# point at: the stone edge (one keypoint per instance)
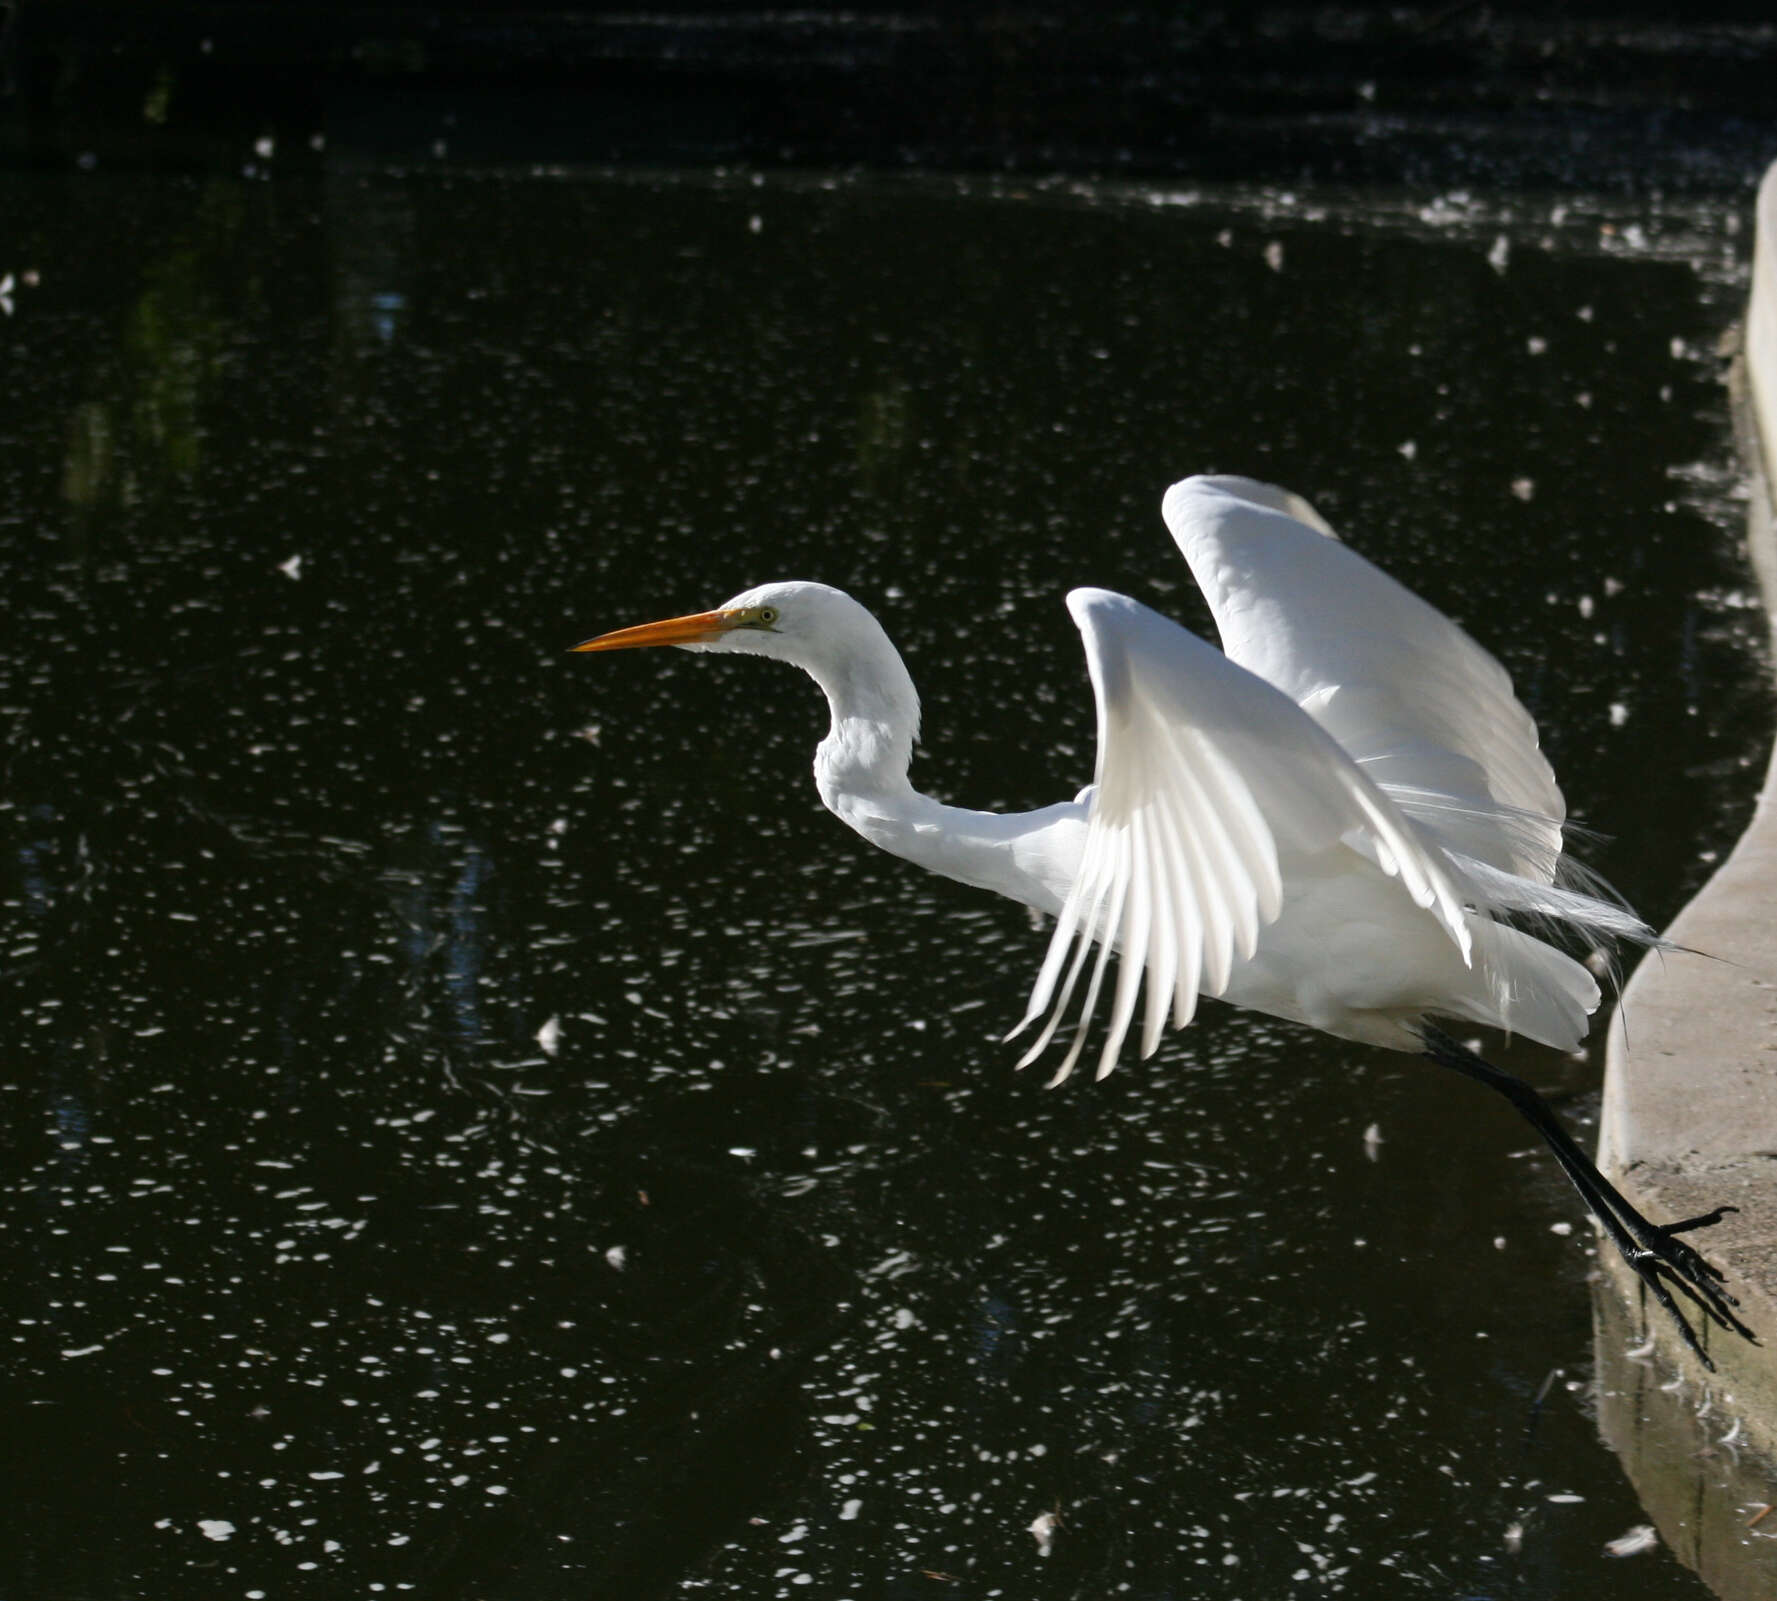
(1689, 1119)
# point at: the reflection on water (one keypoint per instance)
(370, 235)
(760, 1273)
(1706, 1490)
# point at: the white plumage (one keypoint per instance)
(1350, 730)
(1338, 818)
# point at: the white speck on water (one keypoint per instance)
(850, 1510)
(215, 1528)
(1274, 256)
(1619, 714)
(549, 1036)
(1499, 257)
(617, 1256)
(1632, 1542)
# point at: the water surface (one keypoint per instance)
(474, 1124)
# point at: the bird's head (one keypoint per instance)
(817, 628)
(802, 623)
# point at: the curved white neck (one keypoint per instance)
(861, 767)
(875, 709)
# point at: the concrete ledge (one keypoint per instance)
(1690, 1123)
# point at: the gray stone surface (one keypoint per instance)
(1690, 1100)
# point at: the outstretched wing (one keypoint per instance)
(1426, 712)
(1206, 775)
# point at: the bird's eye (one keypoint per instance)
(766, 616)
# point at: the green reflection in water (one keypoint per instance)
(149, 424)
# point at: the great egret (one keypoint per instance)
(1340, 821)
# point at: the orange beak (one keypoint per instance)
(696, 629)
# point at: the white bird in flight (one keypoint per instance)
(1341, 818)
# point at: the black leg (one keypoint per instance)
(1653, 1250)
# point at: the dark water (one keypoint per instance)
(474, 1126)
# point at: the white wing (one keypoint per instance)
(1426, 712)
(1205, 774)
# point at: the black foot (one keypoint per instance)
(1659, 1258)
